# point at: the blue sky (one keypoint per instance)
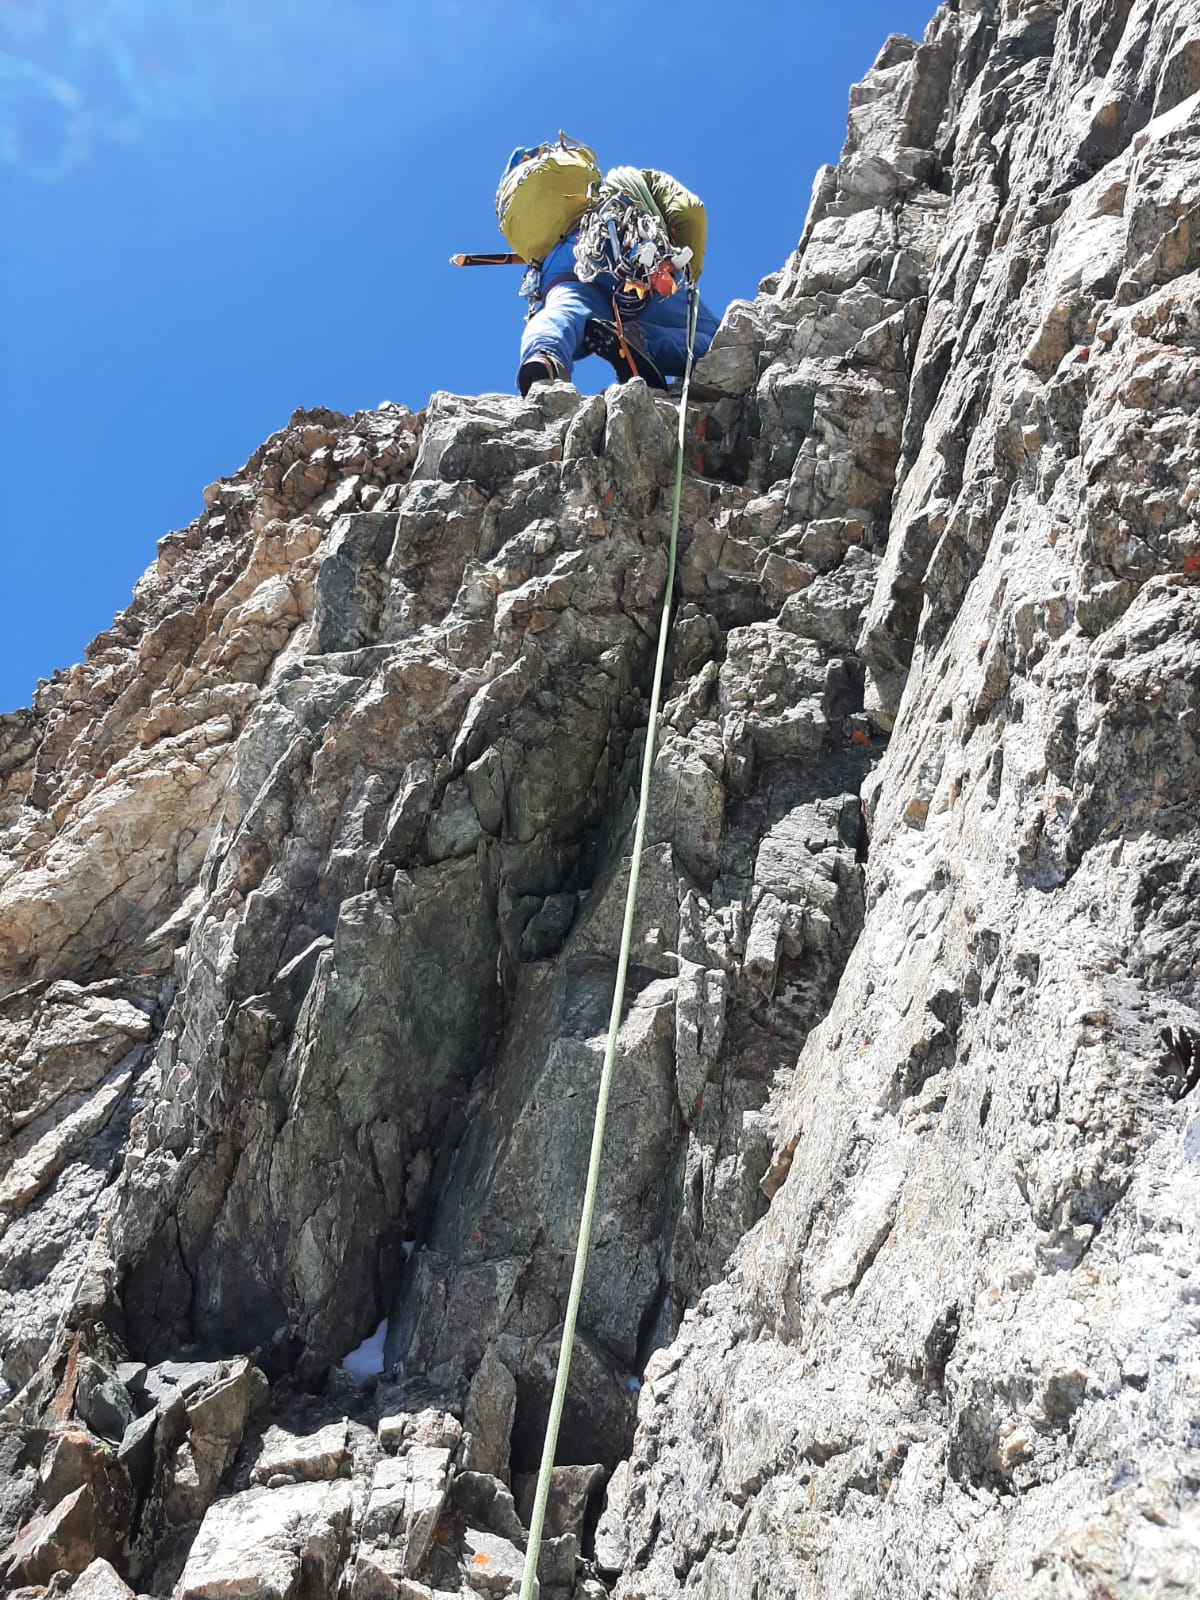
(213, 211)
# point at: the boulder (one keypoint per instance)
(269, 1544)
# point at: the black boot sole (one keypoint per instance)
(536, 370)
(603, 339)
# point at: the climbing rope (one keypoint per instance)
(554, 1421)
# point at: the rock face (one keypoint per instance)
(311, 881)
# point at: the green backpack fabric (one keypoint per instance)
(542, 197)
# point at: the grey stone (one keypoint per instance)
(101, 1401)
(492, 1565)
(100, 1581)
(348, 590)
(405, 1499)
(437, 1429)
(302, 1457)
(183, 1379)
(731, 363)
(62, 1539)
(136, 1450)
(217, 1416)
(264, 1541)
(573, 1491)
(485, 1502)
(545, 931)
(556, 1561)
(312, 882)
(488, 1418)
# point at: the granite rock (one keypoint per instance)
(311, 887)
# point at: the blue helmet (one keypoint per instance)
(523, 152)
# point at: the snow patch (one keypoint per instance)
(367, 1360)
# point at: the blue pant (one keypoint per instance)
(557, 326)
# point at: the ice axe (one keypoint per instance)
(500, 258)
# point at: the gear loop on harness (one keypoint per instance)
(558, 1399)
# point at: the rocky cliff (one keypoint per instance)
(310, 890)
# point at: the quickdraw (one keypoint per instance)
(621, 239)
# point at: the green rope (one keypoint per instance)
(554, 1421)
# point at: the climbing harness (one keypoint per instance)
(558, 1399)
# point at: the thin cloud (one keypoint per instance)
(75, 78)
(41, 125)
(78, 76)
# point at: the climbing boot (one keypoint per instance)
(604, 339)
(541, 367)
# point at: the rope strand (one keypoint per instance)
(550, 1446)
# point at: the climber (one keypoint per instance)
(609, 263)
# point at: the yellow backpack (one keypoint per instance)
(543, 193)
